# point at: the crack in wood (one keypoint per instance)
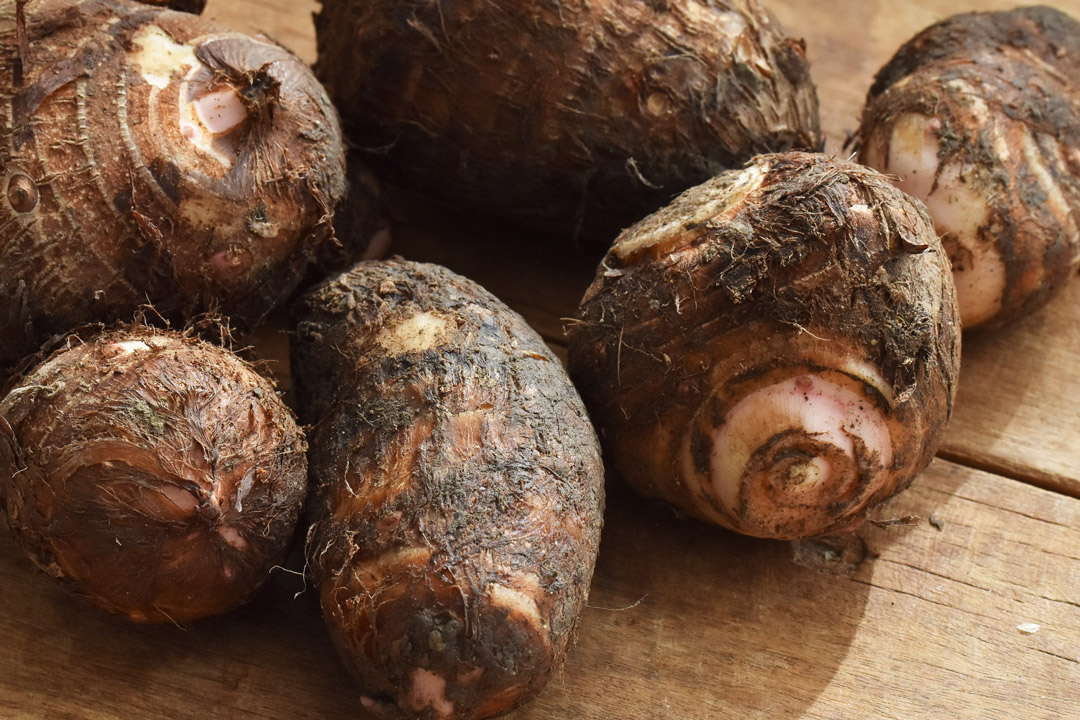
(1013, 511)
(937, 574)
(1074, 661)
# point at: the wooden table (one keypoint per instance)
(685, 621)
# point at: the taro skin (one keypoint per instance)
(776, 351)
(978, 116)
(571, 117)
(149, 156)
(158, 476)
(459, 491)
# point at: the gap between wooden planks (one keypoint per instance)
(685, 621)
(1018, 408)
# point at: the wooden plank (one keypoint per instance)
(847, 41)
(1015, 411)
(684, 621)
(287, 21)
(730, 627)
(64, 659)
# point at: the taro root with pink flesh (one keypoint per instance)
(776, 351)
(569, 114)
(460, 491)
(156, 475)
(149, 156)
(978, 116)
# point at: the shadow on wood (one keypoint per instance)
(1016, 413)
(540, 276)
(693, 621)
(67, 659)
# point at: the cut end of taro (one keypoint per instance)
(792, 456)
(218, 111)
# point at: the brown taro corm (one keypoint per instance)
(460, 491)
(149, 156)
(156, 475)
(776, 351)
(564, 114)
(979, 117)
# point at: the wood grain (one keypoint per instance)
(732, 628)
(1018, 408)
(685, 621)
(287, 21)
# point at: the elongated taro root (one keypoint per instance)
(565, 113)
(776, 351)
(150, 156)
(979, 117)
(156, 475)
(460, 491)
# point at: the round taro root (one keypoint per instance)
(460, 491)
(157, 475)
(979, 117)
(776, 351)
(148, 156)
(569, 113)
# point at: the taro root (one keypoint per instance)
(564, 114)
(148, 156)
(979, 117)
(156, 475)
(460, 491)
(776, 351)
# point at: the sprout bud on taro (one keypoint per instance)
(149, 156)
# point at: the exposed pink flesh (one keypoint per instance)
(832, 413)
(958, 212)
(429, 691)
(220, 111)
(180, 498)
(191, 131)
